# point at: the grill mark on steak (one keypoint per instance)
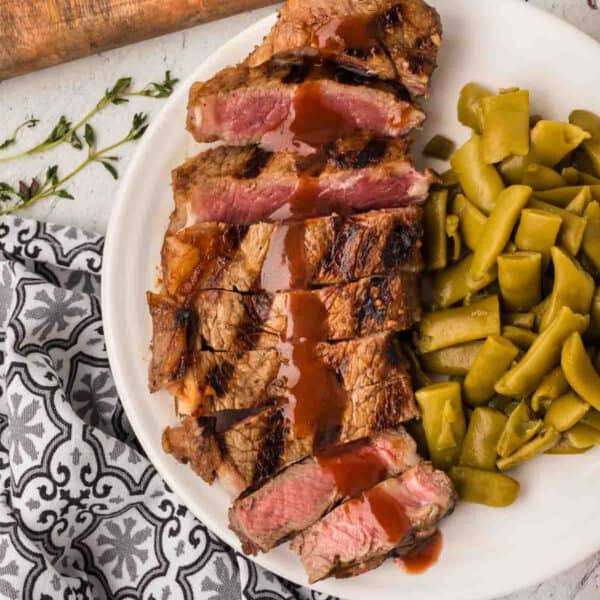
(218, 377)
(271, 450)
(256, 163)
(238, 322)
(399, 242)
(240, 446)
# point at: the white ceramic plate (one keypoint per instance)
(487, 552)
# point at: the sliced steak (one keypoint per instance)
(336, 250)
(281, 109)
(245, 185)
(299, 496)
(257, 447)
(171, 326)
(390, 39)
(362, 532)
(237, 322)
(242, 381)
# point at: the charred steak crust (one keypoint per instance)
(337, 250)
(253, 447)
(405, 37)
(230, 321)
(224, 381)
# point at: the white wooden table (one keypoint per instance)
(72, 89)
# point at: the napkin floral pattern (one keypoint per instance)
(83, 514)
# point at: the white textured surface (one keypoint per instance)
(74, 88)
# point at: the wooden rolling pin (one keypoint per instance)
(39, 33)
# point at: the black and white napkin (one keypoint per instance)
(83, 514)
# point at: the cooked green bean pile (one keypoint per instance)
(512, 250)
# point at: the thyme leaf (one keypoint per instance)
(12, 139)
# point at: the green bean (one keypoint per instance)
(577, 177)
(484, 487)
(579, 371)
(561, 197)
(484, 431)
(505, 120)
(469, 106)
(589, 122)
(583, 436)
(419, 377)
(572, 287)
(502, 403)
(578, 205)
(543, 355)
(553, 385)
(443, 421)
(572, 229)
(540, 178)
(518, 430)
(540, 310)
(457, 325)
(524, 320)
(537, 232)
(492, 361)
(439, 147)
(520, 278)
(452, 224)
(551, 141)
(591, 236)
(480, 182)
(565, 411)
(434, 224)
(498, 228)
(592, 418)
(570, 176)
(564, 448)
(453, 361)
(449, 178)
(472, 221)
(538, 445)
(522, 338)
(453, 284)
(593, 332)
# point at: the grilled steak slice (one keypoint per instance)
(259, 446)
(245, 185)
(271, 106)
(362, 532)
(241, 381)
(336, 250)
(170, 332)
(384, 38)
(237, 322)
(299, 496)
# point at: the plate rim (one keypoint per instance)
(110, 260)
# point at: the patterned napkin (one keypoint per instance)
(83, 514)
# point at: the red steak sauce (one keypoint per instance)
(353, 32)
(316, 401)
(423, 556)
(315, 122)
(390, 514)
(355, 467)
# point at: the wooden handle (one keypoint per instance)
(39, 33)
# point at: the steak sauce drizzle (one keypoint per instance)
(315, 399)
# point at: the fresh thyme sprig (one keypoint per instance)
(12, 139)
(25, 195)
(66, 132)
